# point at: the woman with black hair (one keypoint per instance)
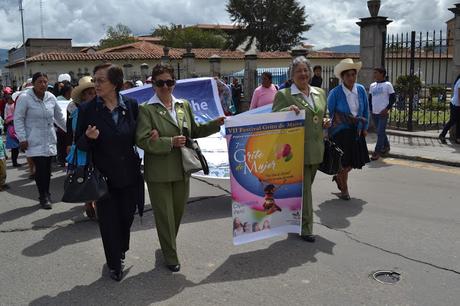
(106, 128)
(34, 119)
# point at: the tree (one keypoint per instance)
(117, 36)
(177, 36)
(276, 25)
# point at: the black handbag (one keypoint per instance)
(332, 158)
(84, 183)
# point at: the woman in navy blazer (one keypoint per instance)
(106, 127)
(349, 109)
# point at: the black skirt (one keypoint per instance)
(354, 148)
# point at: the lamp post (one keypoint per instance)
(23, 40)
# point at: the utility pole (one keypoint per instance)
(41, 19)
(23, 40)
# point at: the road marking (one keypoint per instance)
(422, 165)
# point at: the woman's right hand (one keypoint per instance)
(178, 141)
(295, 109)
(92, 132)
(23, 145)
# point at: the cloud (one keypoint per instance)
(334, 21)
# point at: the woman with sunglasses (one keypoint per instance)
(164, 124)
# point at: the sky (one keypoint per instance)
(334, 21)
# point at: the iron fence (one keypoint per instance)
(419, 67)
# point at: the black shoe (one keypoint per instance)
(443, 139)
(116, 275)
(174, 268)
(309, 238)
(17, 165)
(45, 203)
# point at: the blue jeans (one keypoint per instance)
(380, 122)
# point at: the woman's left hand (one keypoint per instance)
(220, 121)
(363, 133)
(327, 123)
(154, 135)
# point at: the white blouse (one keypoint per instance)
(352, 99)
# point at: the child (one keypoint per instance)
(3, 157)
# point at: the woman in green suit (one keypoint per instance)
(302, 96)
(163, 124)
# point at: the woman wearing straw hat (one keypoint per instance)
(81, 94)
(349, 109)
(313, 100)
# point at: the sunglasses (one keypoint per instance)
(161, 83)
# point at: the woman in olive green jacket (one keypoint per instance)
(161, 132)
(313, 100)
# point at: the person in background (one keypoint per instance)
(225, 97)
(317, 80)
(454, 114)
(65, 95)
(302, 96)
(381, 99)
(237, 91)
(165, 125)
(128, 85)
(3, 157)
(349, 109)
(12, 141)
(33, 119)
(265, 93)
(139, 83)
(81, 94)
(106, 129)
(286, 84)
(7, 91)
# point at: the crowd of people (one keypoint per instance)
(100, 123)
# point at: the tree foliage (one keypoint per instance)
(277, 25)
(117, 36)
(177, 36)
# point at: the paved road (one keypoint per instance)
(404, 216)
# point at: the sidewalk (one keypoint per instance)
(419, 146)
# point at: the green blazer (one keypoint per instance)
(314, 138)
(162, 162)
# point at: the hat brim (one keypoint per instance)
(76, 92)
(341, 67)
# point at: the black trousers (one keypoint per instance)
(14, 156)
(61, 147)
(454, 119)
(115, 213)
(42, 175)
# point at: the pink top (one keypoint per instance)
(9, 112)
(263, 96)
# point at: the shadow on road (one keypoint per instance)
(335, 213)
(142, 289)
(275, 260)
(26, 188)
(84, 230)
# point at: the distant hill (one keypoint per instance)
(343, 49)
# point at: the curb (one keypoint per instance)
(408, 134)
(421, 159)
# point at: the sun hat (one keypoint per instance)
(139, 83)
(64, 77)
(7, 91)
(346, 64)
(84, 83)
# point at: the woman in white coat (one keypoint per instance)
(34, 119)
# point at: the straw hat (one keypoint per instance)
(346, 64)
(84, 83)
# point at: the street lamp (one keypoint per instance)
(23, 40)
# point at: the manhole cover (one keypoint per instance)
(387, 277)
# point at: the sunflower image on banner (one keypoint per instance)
(266, 172)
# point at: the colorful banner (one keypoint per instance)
(200, 92)
(266, 172)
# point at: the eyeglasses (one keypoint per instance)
(161, 83)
